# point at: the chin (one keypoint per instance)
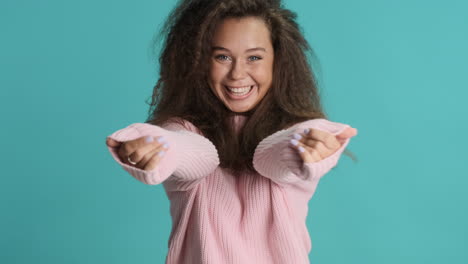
(242, 109)
(239, 111)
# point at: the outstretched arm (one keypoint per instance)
(189, 158)
(279, 160)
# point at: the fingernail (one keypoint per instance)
(294, 142)
(161, 153)
(306, 131)
(166, 145)
(149, 139)
(161, 139)
(297, 136)
(301, 149)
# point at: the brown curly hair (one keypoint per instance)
(182, 90)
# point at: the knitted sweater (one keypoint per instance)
(218, 218)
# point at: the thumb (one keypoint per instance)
(112, 143)
(347, 133)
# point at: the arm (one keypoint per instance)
(189, 158)
(276, 160)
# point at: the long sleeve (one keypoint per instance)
(189, 158)
(276, 160)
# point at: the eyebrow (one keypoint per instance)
(248, 50)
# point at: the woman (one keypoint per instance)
(236, 134)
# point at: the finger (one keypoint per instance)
(316, 146)
(140, 153)
(300, 139)
(307, 154)
(347, 133)
(144, 161)
(112, 143)
(315, 156)
(154, 161)
(328, 139)
(320, 147)
(341, 140)
(128, 148)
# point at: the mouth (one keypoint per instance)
(239, 92)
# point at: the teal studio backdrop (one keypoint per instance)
(73, 72)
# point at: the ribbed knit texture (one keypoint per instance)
(218, 218)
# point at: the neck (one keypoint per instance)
(238, 120)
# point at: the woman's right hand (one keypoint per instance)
(145, 151)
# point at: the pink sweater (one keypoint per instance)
(218, 218)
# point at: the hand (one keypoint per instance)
(146, 152)
(315, 145)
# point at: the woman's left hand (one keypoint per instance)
(315, 145)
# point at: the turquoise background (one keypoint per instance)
(73, 72)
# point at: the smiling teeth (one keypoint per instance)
(240, 91)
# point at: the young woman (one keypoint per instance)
(236, 134)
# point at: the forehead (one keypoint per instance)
(233, 33)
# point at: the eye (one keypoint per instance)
(221, 57)
(254, 58)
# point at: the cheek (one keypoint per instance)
(265, 66)
(215, 78)
(216, 74)
(264, 75)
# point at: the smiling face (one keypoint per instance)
(241, 63)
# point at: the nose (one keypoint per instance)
(237, 70)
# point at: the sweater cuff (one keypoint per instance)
(274, 158)
(190, 156)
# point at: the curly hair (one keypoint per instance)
(182, 90)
